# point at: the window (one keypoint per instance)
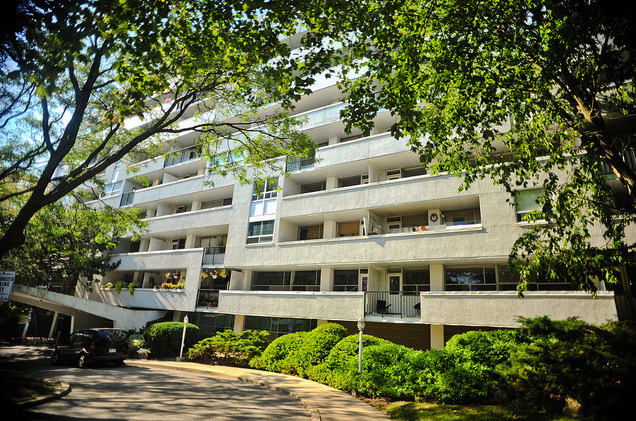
(260, 232)
(279, 326)
(349, 181)
(312, 187)
(465, 217)
(271, 281)
(345, 280)
(306, 280)
(471, 279)
(210, 324)
(395, 279)
(112, 189)
(310, 233)
(264, 197)
(348, 229)
(526, 201)
(416, 280)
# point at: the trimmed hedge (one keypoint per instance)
(229, 348)
(164, 339)
(275, 357)
(315, 348)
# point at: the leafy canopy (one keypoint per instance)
(526, 93)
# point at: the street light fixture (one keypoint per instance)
(360, 328)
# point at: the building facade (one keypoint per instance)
(360, 230)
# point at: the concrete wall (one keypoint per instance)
(501, 309)
(311, 305)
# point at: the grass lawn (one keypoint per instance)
(17, 387)
(412, 411)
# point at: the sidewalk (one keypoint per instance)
(323, 402)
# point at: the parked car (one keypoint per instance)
(89, 346)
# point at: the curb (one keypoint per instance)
(62, 391)
(314, 413)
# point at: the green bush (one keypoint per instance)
(315, 348)
(275, 355)
(488, 348)
(229, 348)
(164, 339)
(136, 341)
(340, 368)
(386, 371)
(593, 365)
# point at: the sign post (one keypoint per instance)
(6, 283)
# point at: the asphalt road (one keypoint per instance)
(131, 393)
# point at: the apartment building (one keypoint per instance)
(359, 231)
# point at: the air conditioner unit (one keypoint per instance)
(435, 217)
(364, 179)
(393, 174)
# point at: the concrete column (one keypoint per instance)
(437, 336)
(326, 279)
(163, 210)
(331, 183)
(167, 178)
(373, 174)
(239, 323)
(156, 244)
(330, 229)
(437, 277)
(196, 205)
(240, 281)
(151, 213)
(333, 140)
(52, 330)
(191, 241)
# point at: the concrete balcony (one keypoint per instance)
(311, 305)
(187, 186)
(501, 309)
(324, 116)
(160, 260)
(372, 147)
(192, 220)
(420, 189)
(156, 299)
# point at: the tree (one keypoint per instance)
(527, 93)
(65, 242)
(85, 84)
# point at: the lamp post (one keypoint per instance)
(360, 328)
(185, 324)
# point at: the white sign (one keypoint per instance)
(6, 282)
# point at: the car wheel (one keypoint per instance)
(81, 363)
(55, 358)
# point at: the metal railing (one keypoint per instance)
(394, 304)
(208, 298)
(183, 155)
(127, 199)
(299, 163)
(214, 255)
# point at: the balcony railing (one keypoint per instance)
(300, 163)
(127, 199)
(393, 304)
(182, 155)
(214, 255)
(208, 298)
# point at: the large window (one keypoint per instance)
(264, 197)
(210, 324)
(416, 280)
(301, 280)
(526, 201)
(279, 326)
(345, 280)
(310, 233)
(471, 279)
(112, 189)
(260, 232)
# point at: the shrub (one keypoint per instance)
(386, 371)
(136, 341)
(229, 348)
(595, 366)
(275, 355)
(486, 348)
(340, 368)
(315, 348)
(164, 339)
(445, 376)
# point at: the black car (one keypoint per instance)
(92, 346)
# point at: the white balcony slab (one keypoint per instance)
(311, 305)
(501, 309)
(159, 260)
(193, 220)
